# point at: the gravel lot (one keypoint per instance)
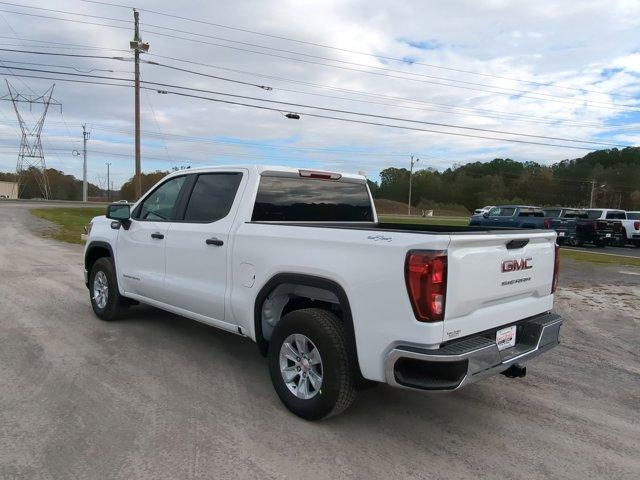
(161, 397)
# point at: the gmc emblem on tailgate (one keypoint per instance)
(516, 265)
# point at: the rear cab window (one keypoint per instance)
(633, 215)
(552, 213)
(530, 212)
(303, 199)
(594, 214)
(617, 215)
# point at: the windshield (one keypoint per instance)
(593, 214)
(552, 213)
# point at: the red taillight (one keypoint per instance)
(547, 223)
(426, 277)
(636, 225)
(595, 225)
(556, 269)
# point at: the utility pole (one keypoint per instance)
(108, 164)
(138, 46)
(85, 137)
(593, 190)
(413, 162)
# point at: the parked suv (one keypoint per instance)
(513, 216)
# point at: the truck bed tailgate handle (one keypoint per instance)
(513, 244)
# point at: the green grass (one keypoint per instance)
(600, 258)
(446, 221)
(70, 222)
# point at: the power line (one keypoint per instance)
(597, 104)
(291, 104)
(501, 114)
(402, 127)
(381, 72)
(383, 57)
(76, 55)
(509, 114)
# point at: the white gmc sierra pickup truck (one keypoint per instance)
(297, 261)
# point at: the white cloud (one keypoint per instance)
(565, 43)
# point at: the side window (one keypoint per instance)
(212, 196)
(158, 206)
(495, 212)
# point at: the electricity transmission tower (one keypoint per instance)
(31, 156)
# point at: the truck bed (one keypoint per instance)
(406, 227)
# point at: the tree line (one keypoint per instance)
(460, 188)
(502, 181)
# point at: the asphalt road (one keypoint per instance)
(156, 396)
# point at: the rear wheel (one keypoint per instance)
(106, 300)
(309, 364)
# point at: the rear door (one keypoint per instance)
(495, 279)
(198, 245)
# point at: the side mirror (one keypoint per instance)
(120, 212)
(485, 214)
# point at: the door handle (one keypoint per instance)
(214, 241)
(157, 236)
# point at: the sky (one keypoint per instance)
(554, 71)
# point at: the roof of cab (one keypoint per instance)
(260, 169)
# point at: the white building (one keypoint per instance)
(8, 190)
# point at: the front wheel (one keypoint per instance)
(106, 300)
(309, 364)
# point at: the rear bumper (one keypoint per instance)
(470, 359)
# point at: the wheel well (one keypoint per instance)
(285, 293)
(95, 252)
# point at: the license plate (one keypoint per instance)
(506, 337)
(561, 234)
(608, 235)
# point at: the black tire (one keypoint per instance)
(338, 389)
(574, 242)
(116, 305)
(599, 244)
(636, 243)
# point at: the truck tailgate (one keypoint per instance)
(495, 279)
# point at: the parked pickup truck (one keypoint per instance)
(613, 222)
(297, 261)
(512, 216)
(564, 221)
(635, 234)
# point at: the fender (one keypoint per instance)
(311, 281)
(87, 255)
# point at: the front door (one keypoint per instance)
(141, 248)
(198, 247)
